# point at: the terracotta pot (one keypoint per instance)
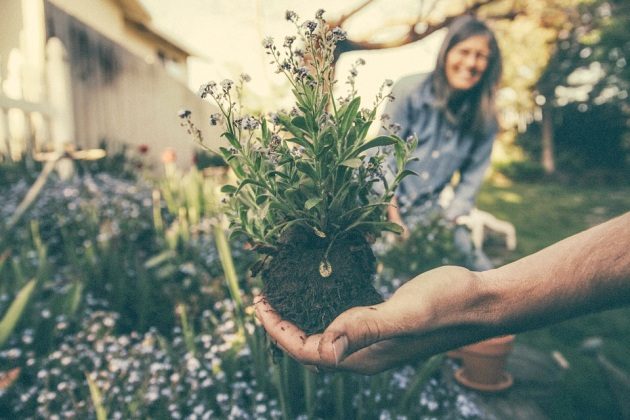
(483, 364)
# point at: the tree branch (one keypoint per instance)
(339, 22)
(411, 36)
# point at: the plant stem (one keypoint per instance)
(231, 279)
(339, 397)
(309, 392)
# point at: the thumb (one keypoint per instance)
(353, 330)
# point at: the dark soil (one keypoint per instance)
(295, 288)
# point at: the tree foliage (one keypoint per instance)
(585, 86)
(556, 53)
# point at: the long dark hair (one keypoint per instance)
(478, 113)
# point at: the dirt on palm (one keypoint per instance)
(295, 288)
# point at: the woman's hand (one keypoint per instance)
(414, 323)
(393, 215)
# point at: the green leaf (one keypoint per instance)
(388, 226)
(237, 168)
(264, 209)
(271, 174)
(228, 189)
(159, 259)
(261, 199)
(232, 139)
(226, 153)
(348, 113)
(257, 163)
(265, 131)
(363, 209)
(302, 142)
(362, 128)
(312, 202)
(377, 226)
(400, 152)
(249, 181)
(405, 173)
(352, 163)
(14, 313)
(282, 226)
(351, 137)
(279, 208)
(307, 169)
(74, 298)
(287, 123)
(300, 122)
(376, 142)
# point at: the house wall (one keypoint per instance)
(10, 29)
(106, 17)
(115, 95)
(119, 98)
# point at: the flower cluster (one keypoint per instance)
(314, 164)
(148, 375)
(141, 375)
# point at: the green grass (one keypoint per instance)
(544, 213)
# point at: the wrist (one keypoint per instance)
(469, 302)
(450, 297)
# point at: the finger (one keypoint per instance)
(352, 330)
(381, 356)
(287, 335)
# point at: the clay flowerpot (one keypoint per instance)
(483, 364)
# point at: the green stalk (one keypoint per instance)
(73, 300)
(231, 279)
(97, 399)
(339, 397)
(428, 368)
(31, 194)
(158, 223)
(189, 334)
(14, 313)
(282, 394)
(309, 392)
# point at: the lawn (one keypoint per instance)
(544, 213)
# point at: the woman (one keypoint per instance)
(451, 111)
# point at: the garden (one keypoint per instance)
(126, 289)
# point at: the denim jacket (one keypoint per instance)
(443, 149)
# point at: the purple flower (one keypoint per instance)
(291, 16)
(339, 34)
(310, 25)
(268, 42)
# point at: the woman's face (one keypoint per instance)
(466, 62)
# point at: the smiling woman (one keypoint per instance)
(467, 61)
(451, 111)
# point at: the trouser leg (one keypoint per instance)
(476, 259)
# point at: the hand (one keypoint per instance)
(372, 339)
(393, 215)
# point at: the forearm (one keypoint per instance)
(584, 273)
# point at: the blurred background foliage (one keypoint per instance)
(114, 280)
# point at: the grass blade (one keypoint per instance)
(11, 318)
(97, 399)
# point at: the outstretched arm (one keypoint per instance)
(451, 306)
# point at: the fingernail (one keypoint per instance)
(339, 347)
